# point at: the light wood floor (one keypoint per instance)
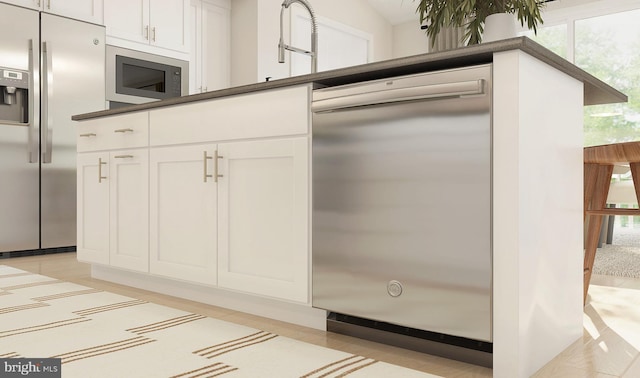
(609, 348)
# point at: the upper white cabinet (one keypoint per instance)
(85, 10)
(210, 45)
(158, 23)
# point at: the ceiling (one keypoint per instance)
(396, 11)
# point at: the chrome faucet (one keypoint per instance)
(314, 36)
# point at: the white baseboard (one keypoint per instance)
(300, 314)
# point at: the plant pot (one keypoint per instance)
(499, 26)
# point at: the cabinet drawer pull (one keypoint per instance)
(206, 157)
(123, 130)
(153, 34)
(146, 32)
(216, 166)
(87, 135)
(123, 156)
(100, 176)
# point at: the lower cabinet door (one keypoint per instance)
(263, 220)
(93, 207)
(183, 223)
(129, 209)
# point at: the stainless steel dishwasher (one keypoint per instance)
(402, 201)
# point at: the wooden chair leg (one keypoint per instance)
(591, 244)
(635, 175)
(597, 202)
(590, 178)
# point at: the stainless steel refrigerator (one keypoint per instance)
(51, 68)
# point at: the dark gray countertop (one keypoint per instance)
(595, 90)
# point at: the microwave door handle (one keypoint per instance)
(34, 109)
(47, 89)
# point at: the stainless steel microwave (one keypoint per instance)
(135, 77)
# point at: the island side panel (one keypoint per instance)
(537, 213)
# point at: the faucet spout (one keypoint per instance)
(314, 35)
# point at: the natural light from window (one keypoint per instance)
(608, 47)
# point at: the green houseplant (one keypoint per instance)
(471, 14)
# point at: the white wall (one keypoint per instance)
(567, 3)
(244, 41)
(360, 15)
(409, 39)
(255, 30)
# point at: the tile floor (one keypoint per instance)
(610, 346)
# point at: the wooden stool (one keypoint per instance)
(598, 167)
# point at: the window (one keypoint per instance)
(604, 40)
(552, 37)
(608, 47)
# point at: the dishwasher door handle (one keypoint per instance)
(435, 91)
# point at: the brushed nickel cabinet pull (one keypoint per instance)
(123, 157)
(206, 157)
(100, 177)
(153, 34)
(216, 175)
(146, 32)
(88, 135)
(127, 130)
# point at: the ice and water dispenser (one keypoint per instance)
(14, 96)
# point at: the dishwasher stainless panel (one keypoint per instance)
(402, 201)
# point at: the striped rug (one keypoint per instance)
(100, 334)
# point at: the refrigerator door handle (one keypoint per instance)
(34, 116)
(47, 89)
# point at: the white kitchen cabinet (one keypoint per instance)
(85, 10)
(263, 222)
(112, 133)
(113, 224)
(209, 63)
(113, 205)
(93, 207)
(183, 213)
(272, 113)
(129, 209)
(159, 23)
